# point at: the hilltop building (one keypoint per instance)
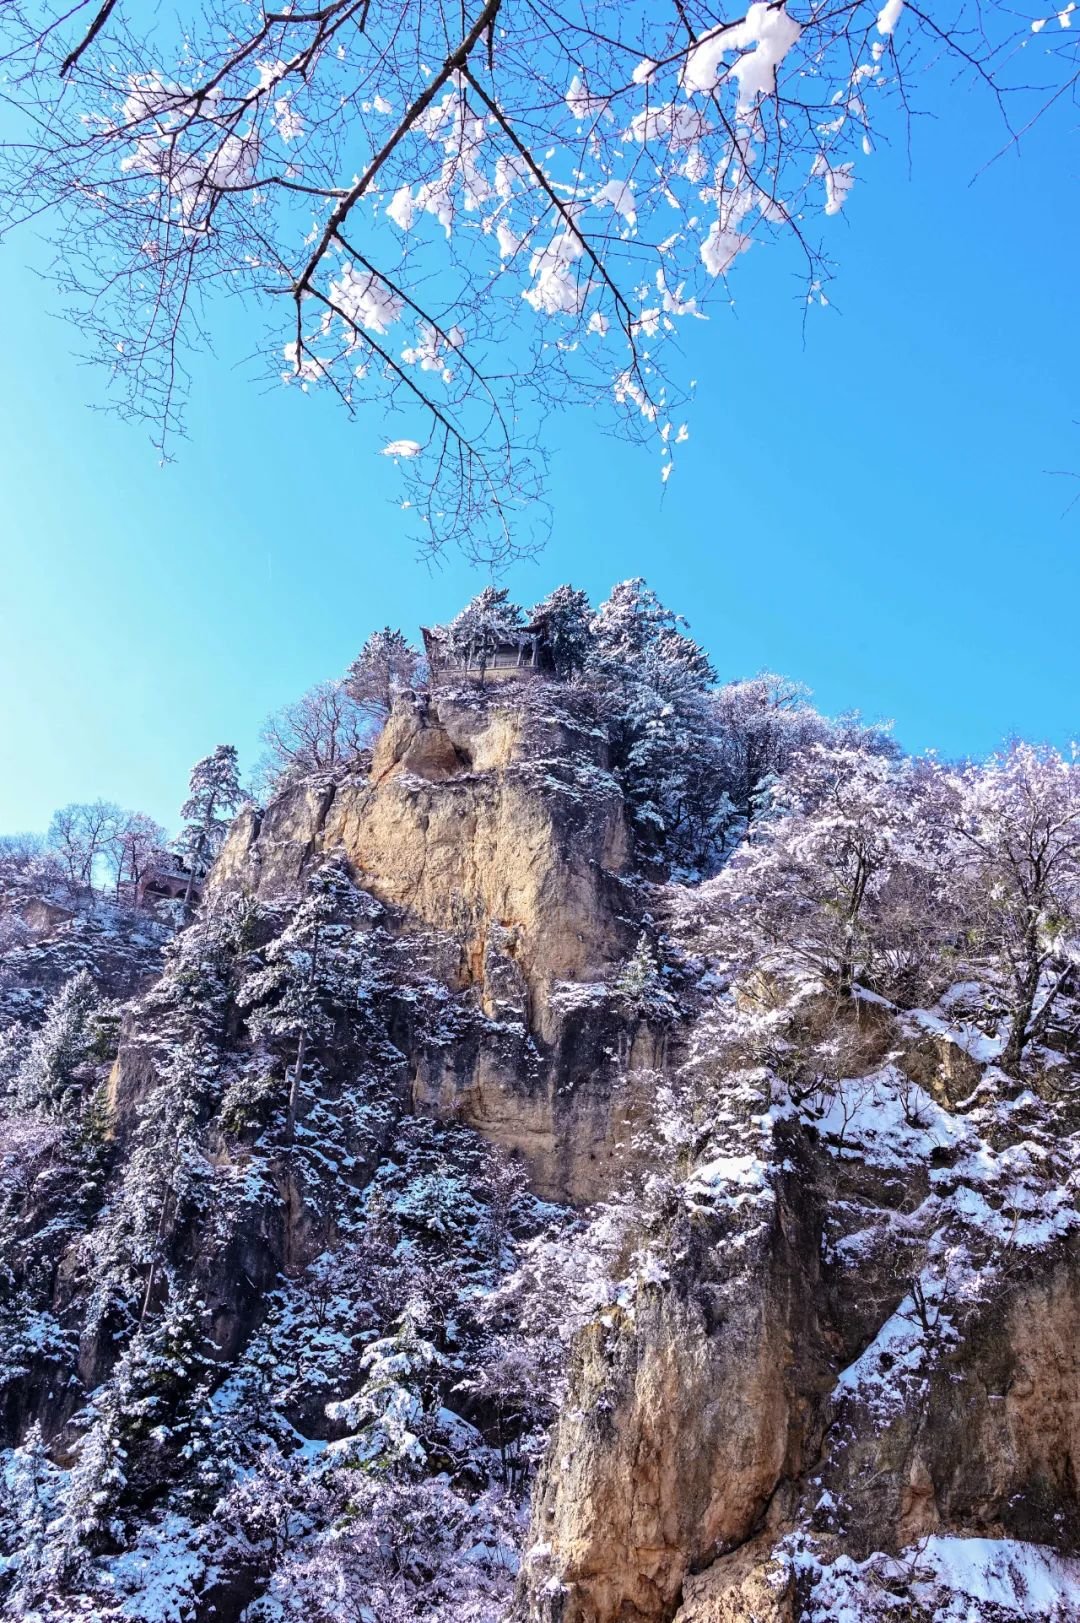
(524, 652)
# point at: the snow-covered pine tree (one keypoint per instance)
(148, 1425)
(88, 1501)
(387, 663)
(490, 619)
(30, 1507)
(655, 681)
(213, 795)
(14, 1042)
(388, 1413)
(564, 618)
(48, 1077)
(318, 971)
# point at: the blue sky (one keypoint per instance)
(864, 507)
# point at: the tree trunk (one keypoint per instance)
(196, 858)
(1020, 1030)
(294, 1090)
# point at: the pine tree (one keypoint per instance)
(213, 795)
(564, 619)
(389, 1410)
(149, 1425)
(641, 988)
(13, 1049)
(90, 1497)
(316, 971)
(387, 663)
(655, 681)
(48, 1076)
(490, 619)
(32, 1472)
(633, 626)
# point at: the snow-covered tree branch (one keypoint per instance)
(463, 216)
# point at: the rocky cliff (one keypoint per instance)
(455, 1178)
(491, 830)
(860, 1352)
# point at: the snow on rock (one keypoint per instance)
(956, 1580)
(1028, 1579)
(888, 1120)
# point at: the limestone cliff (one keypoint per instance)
(454, 1161)
(862, 1351)
(491, 829)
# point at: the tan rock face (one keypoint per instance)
(751, 1585)
(1003, 1431)
(490, 825)
(464, 825)
(41, 917)
(680, 1426)
(988, 1447)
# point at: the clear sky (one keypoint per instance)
(867, 510)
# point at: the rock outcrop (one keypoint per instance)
(844, 1357)
(684, 1417)
(827, 1366)
(492, 831)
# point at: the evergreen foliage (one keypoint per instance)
(490, 619)
(213, 795)
(387, 664)
(49, 1077)
(563, 619)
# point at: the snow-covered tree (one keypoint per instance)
(838, 879)
(490, 619)
(318, 976)
(28, 865)
(640, 986)
(764, 722)
(34, 1481)
(387, 663)
(14, 1042)
(564, 618)
(82, 835)
(655, 681)
(213, 795)
(133, 847)
(88, 1502)
(403, 1553)
(146, 1425)
(585, 185)
(387, 1414)
(1018, 878)
(50, 1076)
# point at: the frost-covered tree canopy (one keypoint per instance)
(386, 663)
(213, 795)
(482, 626)
(465, 215)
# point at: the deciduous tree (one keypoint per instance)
(323, 731)
(467, 217)
(1018, 878)
(82, 835)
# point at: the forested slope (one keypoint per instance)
(603, 1150)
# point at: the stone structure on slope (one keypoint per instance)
(525, 652)
(167, 878)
